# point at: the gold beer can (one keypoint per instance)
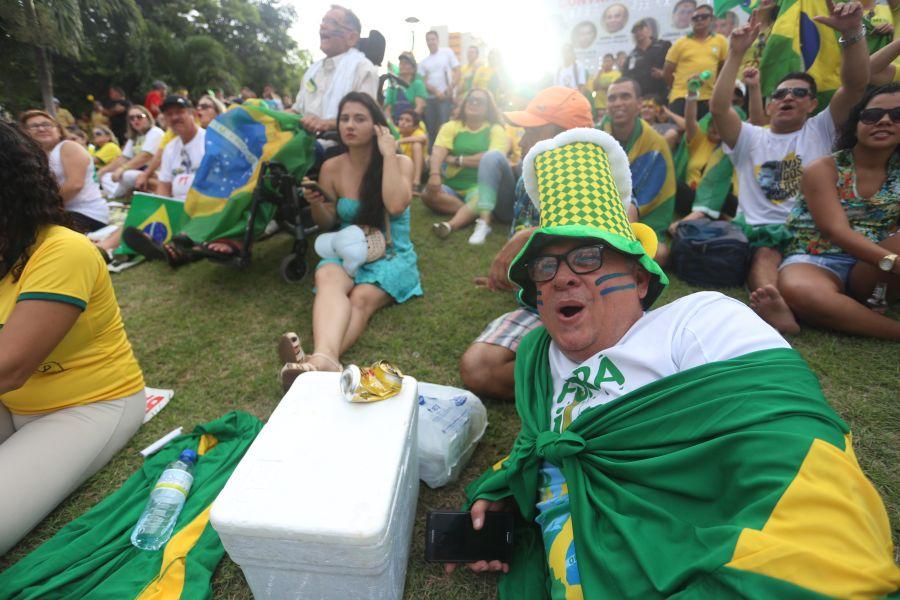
(370, 384)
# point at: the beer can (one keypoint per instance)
(370, 384)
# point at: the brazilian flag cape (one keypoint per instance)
(652, 174)
(237, 143)
(798, 43)
(717, 179)
(732, 479)
(92, 557)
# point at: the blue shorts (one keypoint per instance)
(840, 264)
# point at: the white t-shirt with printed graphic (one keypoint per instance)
(180, 162)
(769, 166)
(691, 331)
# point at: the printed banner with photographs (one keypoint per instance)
(599, 27)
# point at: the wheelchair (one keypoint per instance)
(275, 185)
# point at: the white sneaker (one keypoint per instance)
(482, 229)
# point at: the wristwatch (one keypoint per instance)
(459, 161)
(886, 263)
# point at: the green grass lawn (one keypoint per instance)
(210, 331)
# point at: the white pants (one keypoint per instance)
(118, 189)
(44, 458)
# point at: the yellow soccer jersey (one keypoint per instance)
(94, 361)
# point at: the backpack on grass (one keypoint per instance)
(710, 253)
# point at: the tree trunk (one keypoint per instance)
(45, 78)
(42, 62)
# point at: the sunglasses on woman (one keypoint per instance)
(796, 92)
(137, 117)
(581, 260)
(701, 17)
(870, 116)
(99, 133)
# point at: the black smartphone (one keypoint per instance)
(316, 187)
(451, 538)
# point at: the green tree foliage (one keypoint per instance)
(195, 44)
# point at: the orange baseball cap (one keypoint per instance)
(559, 105)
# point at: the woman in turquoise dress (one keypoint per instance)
(373, 185)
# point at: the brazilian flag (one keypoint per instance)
(798, 43)
(92, 557)
(237, 143)
(157, 216)
(733, 479)
(720, 7)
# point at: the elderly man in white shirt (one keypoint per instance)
(344, 69)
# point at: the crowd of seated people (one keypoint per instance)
(815, 190)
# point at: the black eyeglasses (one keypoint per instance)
(701, 17)
(582, 260)
(870, 116)
(781, 93)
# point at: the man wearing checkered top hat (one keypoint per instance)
(686, 449)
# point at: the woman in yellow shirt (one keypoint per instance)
(106, 146)
(71, 391)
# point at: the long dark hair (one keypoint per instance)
(847, 135)
(29, 197)
(371, 203)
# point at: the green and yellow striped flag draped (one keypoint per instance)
(92, 557)
(237, 143)
(734, 479)
(798, 43)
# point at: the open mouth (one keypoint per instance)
(569, 309)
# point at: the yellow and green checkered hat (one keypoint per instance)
(581, 183)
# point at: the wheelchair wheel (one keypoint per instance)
(293, 268)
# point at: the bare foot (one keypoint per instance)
(768, 304)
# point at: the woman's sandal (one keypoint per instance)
(234, 250)
(290, 371)
(289, 349)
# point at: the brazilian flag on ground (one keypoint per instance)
(92, 557)
(734, 479)
(798, 43)
(157, 216)
(237, 143)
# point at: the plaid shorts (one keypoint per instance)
(509, 329)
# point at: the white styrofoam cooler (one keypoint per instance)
(322, 504)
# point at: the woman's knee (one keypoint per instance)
(367, 299)
(801, 288)
(329, 276)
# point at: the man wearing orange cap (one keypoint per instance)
(487, 365)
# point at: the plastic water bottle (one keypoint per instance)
(695, 83)
(157, 522)
(878, 300)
